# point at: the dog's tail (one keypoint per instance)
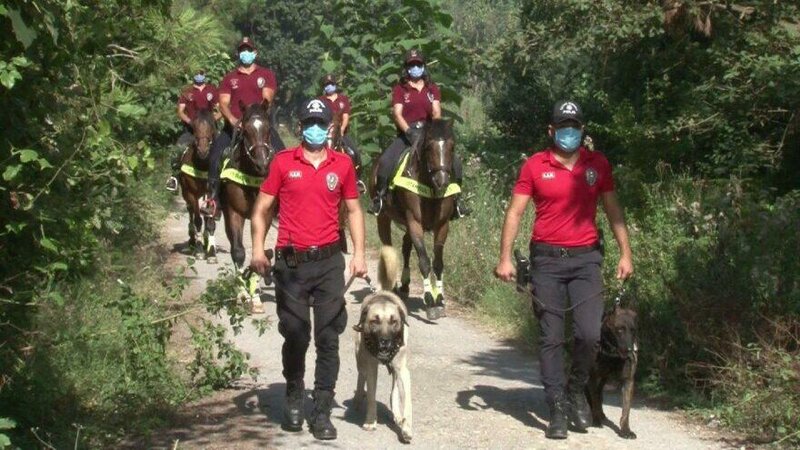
(388, 267)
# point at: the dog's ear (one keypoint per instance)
(403, 318)
(359, 327)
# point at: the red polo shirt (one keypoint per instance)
(342, 103)
(309, 197)
(417, 105)
(565, 200)
(198, 99)
(246, 87)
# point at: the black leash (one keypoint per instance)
(524, 287)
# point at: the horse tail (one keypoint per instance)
(388, 267)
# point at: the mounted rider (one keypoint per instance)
(339, 103)
(197, 97)
(248, 84)
(415, 101)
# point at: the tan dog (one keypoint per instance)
(382, 338)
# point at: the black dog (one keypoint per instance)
(617, 360)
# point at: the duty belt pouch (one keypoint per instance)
(523, 272)
(290, 257)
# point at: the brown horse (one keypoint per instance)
(242, 176)
(429, 163)
(193, 187)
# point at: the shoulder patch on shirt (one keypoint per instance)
(431, 98)
(332, 180)
(295, 174)
(234, 83)
(548, 175)
(591, 176)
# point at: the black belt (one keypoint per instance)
(313, 253)
(538, 249)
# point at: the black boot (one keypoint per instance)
(381, 186)
(320, 421)
(579, 412)
(293, 408)
(557, 428)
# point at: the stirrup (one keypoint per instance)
(361, 187)
(172, 184)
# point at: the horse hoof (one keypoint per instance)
(440, 311)
(257, 309)
(211, 259)
(403, 291)
(432, 313)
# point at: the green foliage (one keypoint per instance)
(718, 105)
(90, 90)
(756, 385)
(364, 42)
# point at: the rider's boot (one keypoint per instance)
(381, 185)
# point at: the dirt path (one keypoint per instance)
(469, 391)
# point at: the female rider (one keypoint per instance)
(415, 100)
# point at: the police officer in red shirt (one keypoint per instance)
(310, 181)
(246, 85)
(565, 182)
(340, 103)
(200, 95)
(415, 100)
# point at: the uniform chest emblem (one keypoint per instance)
(209, 96)
(548, 175)
(235, 83)
(591, 176)
(332, 180)
(341, 105)
(430, 97)
(261, 82)
(406, 97)
(295, 175)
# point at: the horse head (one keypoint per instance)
(205, 129)
(335, 133)
(256, 136)
(436, 152)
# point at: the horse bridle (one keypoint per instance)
(249, 148)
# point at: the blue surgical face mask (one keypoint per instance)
(247, 57)
(315, 135)
(199, 79)
(568, 139)
(329, 89)
(416, 72)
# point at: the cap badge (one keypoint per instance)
(315, 106)
(569, 108)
